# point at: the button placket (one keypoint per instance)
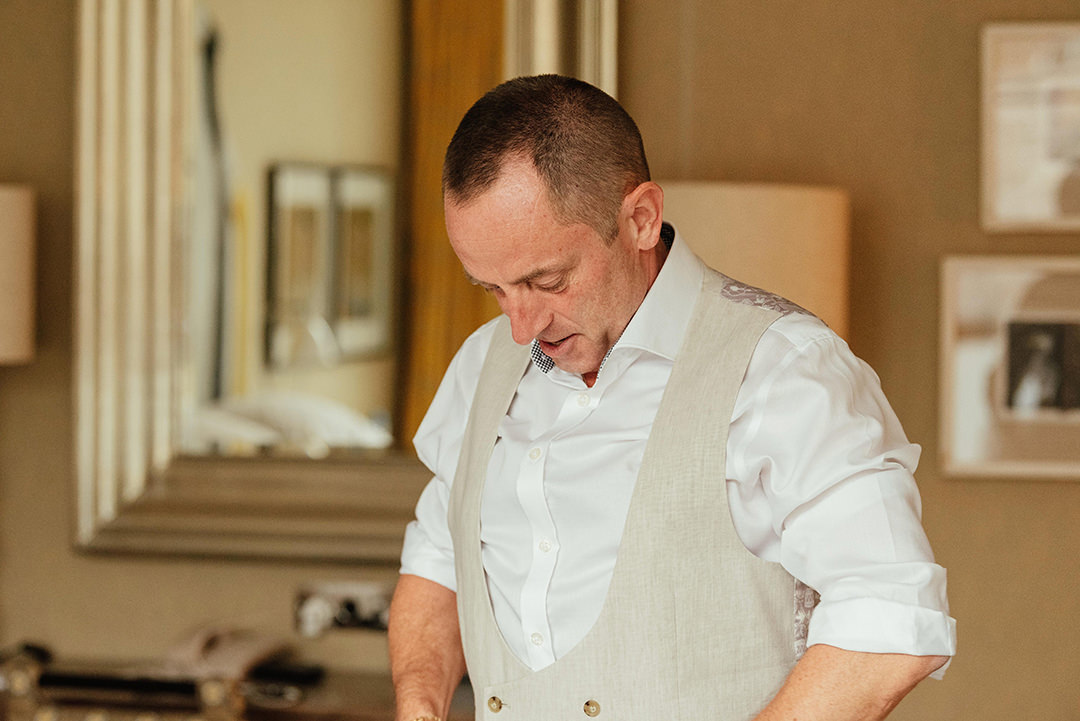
(576, 407)
(533, 601)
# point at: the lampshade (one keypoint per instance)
(17, 223)
(792, 240)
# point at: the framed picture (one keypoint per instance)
(1010, 367)
(1031, 127)
(299, 222)
(329, 264)
(363, 260)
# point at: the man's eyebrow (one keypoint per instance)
(527, 278)
(541, 272)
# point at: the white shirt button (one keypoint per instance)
(537, 639)
(535, 453)
(583, 399)
(544, 545)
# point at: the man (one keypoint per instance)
(576, 545)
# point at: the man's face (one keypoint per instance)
(560, 284)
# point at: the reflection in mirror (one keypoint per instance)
(289, 269)
(181, 122)
(175, 296)
(330, 265)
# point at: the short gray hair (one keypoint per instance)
(585, 147)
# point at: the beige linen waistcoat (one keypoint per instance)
(693, 626)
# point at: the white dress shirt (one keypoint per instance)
(819, 479)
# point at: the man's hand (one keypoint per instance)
(426, 660)
(831, 684)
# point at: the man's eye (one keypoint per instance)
(551, 287)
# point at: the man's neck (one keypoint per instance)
(654, 262)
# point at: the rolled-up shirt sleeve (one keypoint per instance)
(428, 550)
(820, 479)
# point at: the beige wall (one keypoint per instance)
(883, 103)
(882, 98)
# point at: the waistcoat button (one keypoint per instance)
(495, 704)
(592, 708)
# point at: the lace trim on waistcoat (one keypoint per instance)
(806, 599)
(745, 294)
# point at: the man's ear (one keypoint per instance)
(643, 210)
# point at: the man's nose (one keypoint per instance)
(527, 315)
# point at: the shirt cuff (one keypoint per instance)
(421, 557)
(872, 625)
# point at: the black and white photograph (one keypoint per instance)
(1044, 367)
(1010, 366)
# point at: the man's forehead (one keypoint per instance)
(517, 190)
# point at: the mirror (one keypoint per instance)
(291, 152)
(223, 300)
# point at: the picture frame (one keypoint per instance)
(330, 256)
(363, 250)
(1010, 367)
(1030, 114)
(299, 228)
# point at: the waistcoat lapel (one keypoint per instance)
(503, 367)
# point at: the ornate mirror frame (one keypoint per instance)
(135, 492)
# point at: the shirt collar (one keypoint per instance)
(660, 322)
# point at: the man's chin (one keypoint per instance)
(572, 354)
